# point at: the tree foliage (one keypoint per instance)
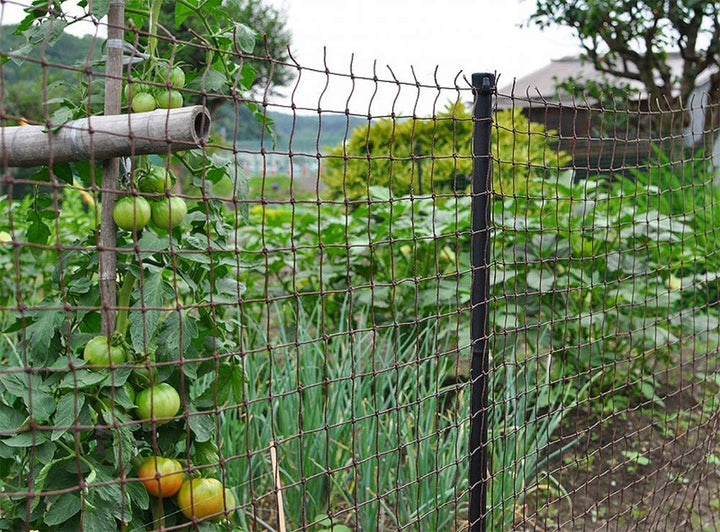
(631, 39)
(433, 156)
(269, 52)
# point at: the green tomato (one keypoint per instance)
(131, 89)
(169, 212)
(132, 213)
(143, 102)
(156, 180)
(159, 403)
(230, 504)
(169, 99)
(176, 78)
(99, 353)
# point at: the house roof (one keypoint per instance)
(539, 87)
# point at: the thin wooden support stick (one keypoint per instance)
(111, 168)
(278, 487)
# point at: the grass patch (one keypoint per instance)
(368, 427)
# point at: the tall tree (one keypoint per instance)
(631, 39)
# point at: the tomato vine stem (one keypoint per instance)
(124, 304)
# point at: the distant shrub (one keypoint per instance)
(389, 153)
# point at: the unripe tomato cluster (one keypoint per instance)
(163, 477)
(142, 98)
(133, 213)
(159, 402)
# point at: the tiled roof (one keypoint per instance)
(540, 86)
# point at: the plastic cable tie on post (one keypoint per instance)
(125, 169)
(75, 146)
(115, 44)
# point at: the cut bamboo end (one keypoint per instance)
(104, 137)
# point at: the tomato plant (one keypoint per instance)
(202, 498)
(132, 213)
(75, 398)
(162, 477)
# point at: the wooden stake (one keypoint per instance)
(278, 486)
(111, 167)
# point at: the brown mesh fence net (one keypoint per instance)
(228, 304)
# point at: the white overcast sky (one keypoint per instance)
(451, 36)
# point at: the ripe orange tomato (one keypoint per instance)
(162, 477)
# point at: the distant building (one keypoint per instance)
(606, 138)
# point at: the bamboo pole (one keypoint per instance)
(111, 167)
(105, 137)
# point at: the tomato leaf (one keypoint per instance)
(123, 445)
(45, 452)
(82, 378)
(68, 407)
(137, 494)
(97, 516)
(16, 384)
(38, 232)
(65, 507)
(206, 453)
(211, 81)
(244, 37)
(41, 332)
(175, 336)
(40, 479)
(61, 116)
(10, 419)
(145, 315)
(202, 425)
(183, 10)
(26, 439)
(40, 404)
(110, 494)
(120, 396)
(229, 386)
(63, 172)
(99, 8)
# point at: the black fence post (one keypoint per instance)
(483, 89)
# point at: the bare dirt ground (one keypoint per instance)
(651, 467)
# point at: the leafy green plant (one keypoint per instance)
(406, 266)
(620, 266)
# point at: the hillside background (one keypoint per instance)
(23, 96)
